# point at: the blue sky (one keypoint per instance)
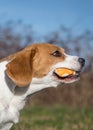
(48, 15)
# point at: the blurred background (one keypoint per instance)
(66, 23)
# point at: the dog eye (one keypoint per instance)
(57, 54)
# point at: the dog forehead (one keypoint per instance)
(49, 48)
(45, 48)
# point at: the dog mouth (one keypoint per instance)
(66, 75)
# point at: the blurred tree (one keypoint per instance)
(13, 37)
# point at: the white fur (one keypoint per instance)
(12, 98)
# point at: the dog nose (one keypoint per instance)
(81, 61)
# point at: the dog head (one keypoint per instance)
(43, 61)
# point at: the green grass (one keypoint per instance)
(55, 118)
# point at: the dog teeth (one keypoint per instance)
(64, 75)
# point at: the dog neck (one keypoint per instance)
(13, 98)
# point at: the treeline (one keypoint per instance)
(15, 36)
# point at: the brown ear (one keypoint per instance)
(20, 68)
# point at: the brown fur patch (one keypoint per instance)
(33, 61)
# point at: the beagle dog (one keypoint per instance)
(29, 71)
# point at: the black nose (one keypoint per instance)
(81, 61)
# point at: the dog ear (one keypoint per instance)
(20, 69)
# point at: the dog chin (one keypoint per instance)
(70, 81)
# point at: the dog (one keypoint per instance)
(29, 71)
